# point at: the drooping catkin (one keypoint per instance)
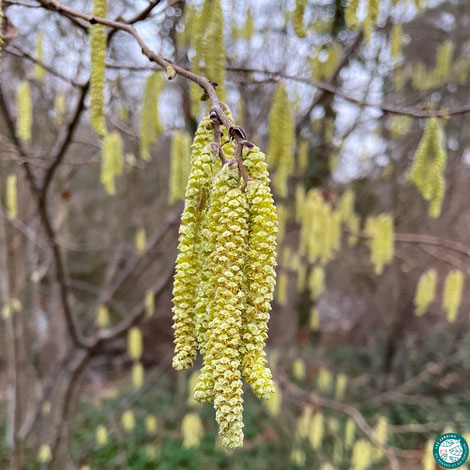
(341, 386)
(350, 14)
(349, 433)
(452, 296)
(371, 18)
(150, 126)
(192, 430)
(429, 163)
(381, 231)
(317, 431)
(298, 18)
(444, 60)
(12, 196)
(249, 26)
(180, 161)
(111, 161)
(60, 108)
(320, 234)
(197, 44)
(187, 263)
(316, 282)
(281, 139)
(98, 69)
(101, 435)
(425, 291)
(259, 271)
(214, 47)
(228, 305)
(134, 343)
(39, 70)
(396, 40)
(302, 157)
(361, 455)
(24, 112)
(226, 180)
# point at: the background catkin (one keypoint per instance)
(150, 127)
(111, 161)
(12, 196)
(425, 291)
(429, 163)
(452, 296)
(39, 70)
(298, 18)
(98, 69)
(24, 112)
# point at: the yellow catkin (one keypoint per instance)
(371, 17)
(134, 343)
(101, 435)
(302, 157)
(396, 40)
(301, 277)
(192, 430)
(39, 70)
(227, 309)
(151, 425)
(281, 139)
(248, 27)
(273, 404)
(192, 381)
(214, 47)
(12, 196)
(137, 374)
(361, 455)
(324, 380)
(1, 26)
(140, 240)
(349, 433)
(128, 420)
(98, 69)
(224, 181)
(320, 234)
(425, 291)
(381, 232)
(303, 423)
(180, 159)
(259, 272)
(111, 161)
(298, 369)
(60, 107)
(44, 454)
(316, 431)
(314, 319)
(197, 44)
(444, 60)
(429, 163)
(350, 14)
(102, 317)
(341, 386)
(298, 18)
(186, 282)
(380, 433)
(299, 202)
(452, 296)
(24, 112)
(353, 224)
(429, 462)
(149, 303)
(316, 282)
(282, 289)
(297, 457)
(150, 126)
(400, 126)
(346, 205)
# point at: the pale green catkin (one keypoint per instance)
(281, 139)
(428, 168)
(98, 69)
(298, 18)
(24, 112)
(180, 161)
(396, 40)
(350, 14)
(214, 48)
(111, 161)
(39, 69)
(12, 196)
(187, 265)
(150, 127)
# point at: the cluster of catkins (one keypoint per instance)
(224, 281)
